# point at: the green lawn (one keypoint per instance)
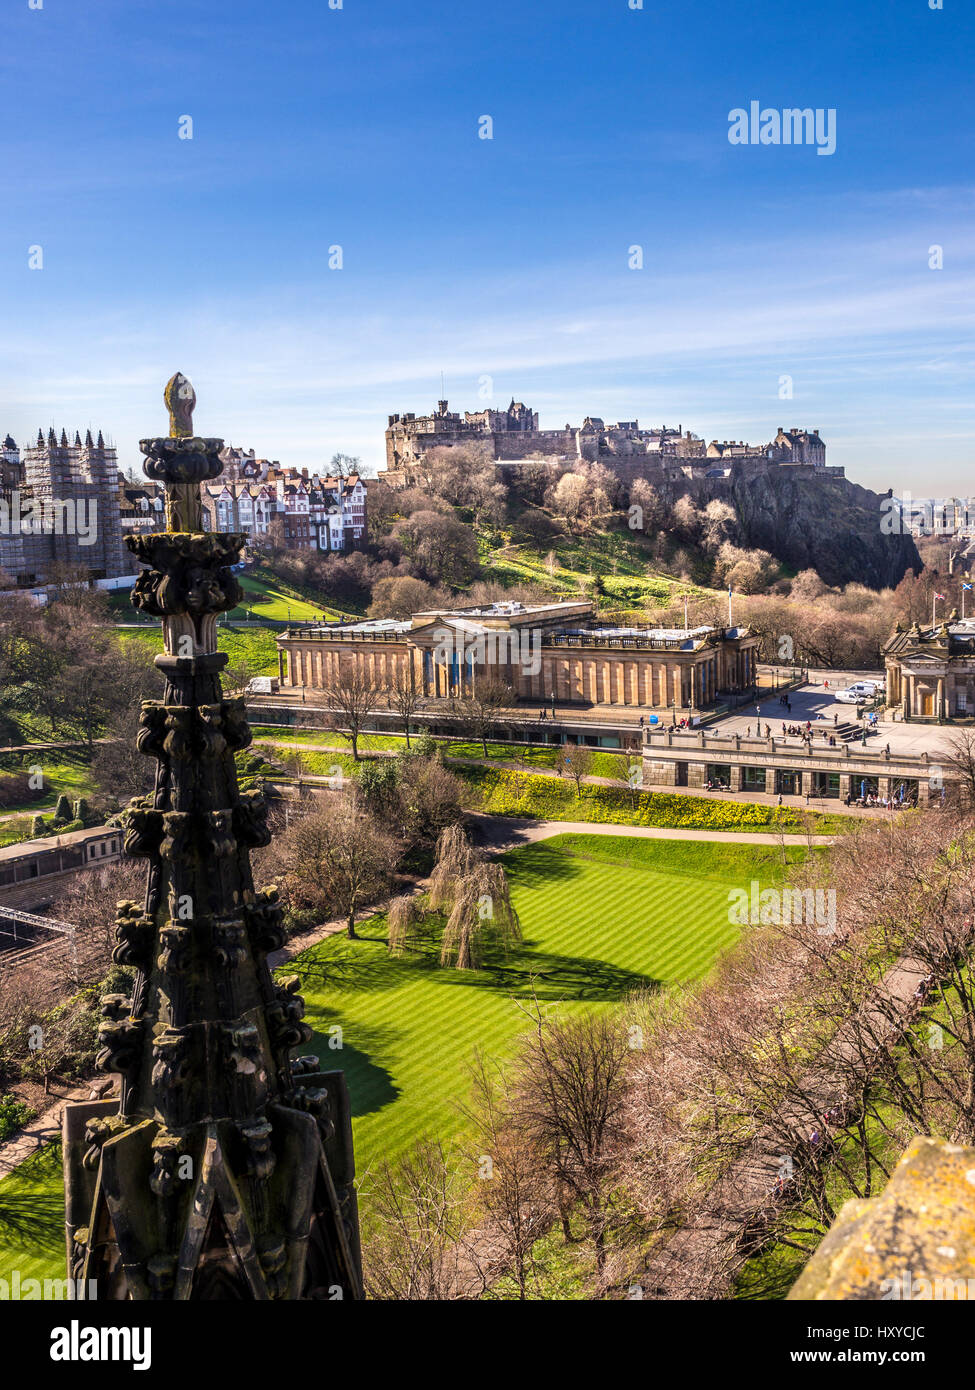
(32, 1218)
(605, 763)
(241, 644)
(265, 600)
(63, 772)
(602, 916)
(600, 920)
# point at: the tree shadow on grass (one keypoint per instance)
(371, 1086)
(339, 964)
(551, 976)
(33, 1220)
(32, 1203)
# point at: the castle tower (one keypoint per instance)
(224, 1169)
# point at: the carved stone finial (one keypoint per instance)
(180, 400)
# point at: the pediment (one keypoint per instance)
(919, 657)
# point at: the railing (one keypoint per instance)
(780, 748)
(322, 632)
(595, 639)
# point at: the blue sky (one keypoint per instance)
(504, 259)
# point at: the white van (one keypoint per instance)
(858, 692)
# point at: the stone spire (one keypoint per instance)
(224, 1169)
(89, 443)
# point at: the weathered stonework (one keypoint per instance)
(915, 1242)
(225, 1170)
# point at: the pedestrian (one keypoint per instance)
(836, 718)
(768, 730)
(825, 685)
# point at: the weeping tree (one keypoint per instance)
(474, 892)
(403, 917)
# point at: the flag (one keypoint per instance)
(940, 596)
(967, 586)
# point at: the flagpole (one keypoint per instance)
(730, 624)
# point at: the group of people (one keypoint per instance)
(833, 1118)
(924, 988)
(877, 802)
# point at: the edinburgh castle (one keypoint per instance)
(512, 436)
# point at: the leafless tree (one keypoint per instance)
(514, 1193)
(570, 1104)
(961, 759)
(479, 709)
(421, 1213)
(337, 861)
(352, 695)
(406, 699)
(575, 760)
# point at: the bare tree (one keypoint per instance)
(575, 760)
(570, 1103)
(421, 1209)
(961, 759)
(353, 695)
(406, 699)
(479, 709)
(514, 1192)
(338, 860)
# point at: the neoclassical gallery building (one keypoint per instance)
(548, 651)
(931, 670)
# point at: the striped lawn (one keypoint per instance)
(601, 916)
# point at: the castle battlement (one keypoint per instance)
(507, 436)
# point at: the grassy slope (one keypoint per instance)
(621, 558)
(599, 920)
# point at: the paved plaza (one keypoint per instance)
(818, 705)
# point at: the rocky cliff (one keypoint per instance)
(823, 523)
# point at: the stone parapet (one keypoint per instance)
(915, 1241)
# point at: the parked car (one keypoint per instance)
(857, 692)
